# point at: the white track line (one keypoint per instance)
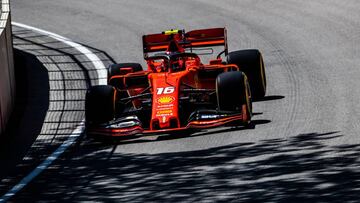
(102, 74)
(99, 66)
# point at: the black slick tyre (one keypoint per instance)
(252, 64)
(232, 91)
(116, 69)
(100, 104)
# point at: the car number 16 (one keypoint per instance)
(166, 90)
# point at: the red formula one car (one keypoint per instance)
(177, 91)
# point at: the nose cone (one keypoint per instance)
(164, 102)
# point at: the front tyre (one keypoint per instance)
(100, 104)
(233, 94)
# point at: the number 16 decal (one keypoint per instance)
(166, 90)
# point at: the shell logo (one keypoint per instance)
(165, 100)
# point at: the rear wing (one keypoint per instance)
(192, 39)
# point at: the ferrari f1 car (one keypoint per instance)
(177, 91)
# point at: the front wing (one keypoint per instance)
(130, 125)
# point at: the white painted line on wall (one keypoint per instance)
(102, 74)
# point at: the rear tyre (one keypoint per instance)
(252, 64)
(121, 69)
(116, 69)
(100, 104)
(232, 90)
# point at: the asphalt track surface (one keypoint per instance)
(305, 146)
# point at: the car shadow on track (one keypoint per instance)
(300, 168)
(214, 131)
(270, 98)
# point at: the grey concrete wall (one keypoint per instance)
(7, 76)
